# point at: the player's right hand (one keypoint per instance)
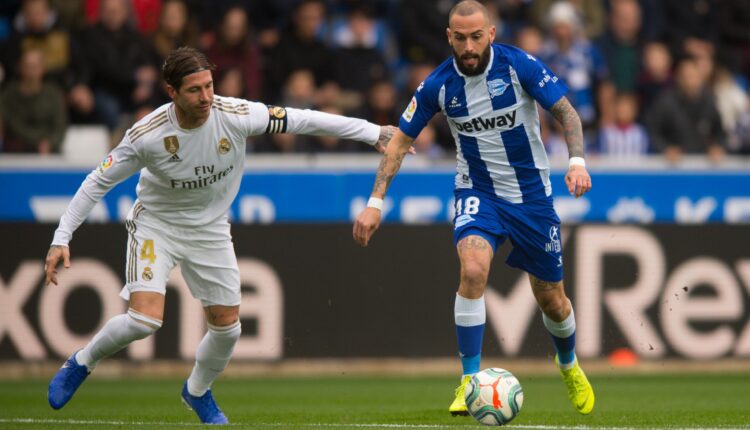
(55, 253)
(364, 227)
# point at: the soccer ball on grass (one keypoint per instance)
(494, 397)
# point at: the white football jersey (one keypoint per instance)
(190, 177)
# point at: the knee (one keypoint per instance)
(141, 325)
(473, 274)
(555, 306)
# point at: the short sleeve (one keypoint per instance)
(536, 78)
(421, 108)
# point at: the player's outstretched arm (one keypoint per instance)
(577, 179)
(54, 255)
(369, 219)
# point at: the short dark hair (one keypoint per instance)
(181, 62)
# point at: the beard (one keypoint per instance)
(483, 60)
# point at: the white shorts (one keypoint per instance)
(205, 255)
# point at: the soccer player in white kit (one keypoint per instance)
(489, 95)
(190, 154)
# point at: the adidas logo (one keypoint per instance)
(174, 158)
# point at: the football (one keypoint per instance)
(494, 397)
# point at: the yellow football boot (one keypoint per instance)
(580, 392)
(458, 407)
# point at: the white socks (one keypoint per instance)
(469, 312)
(212, 357)
(116, 334)
(562, 329)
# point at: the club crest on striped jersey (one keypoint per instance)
(224, 146)
(497, 87)
(171, 144)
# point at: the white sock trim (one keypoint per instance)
(469, 312)
(223, 329)
(144, 319)
(561, 329)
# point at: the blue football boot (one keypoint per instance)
(204, 406)
(65, 382)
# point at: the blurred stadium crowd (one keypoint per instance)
(646, 76)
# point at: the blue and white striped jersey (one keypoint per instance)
(494, 121)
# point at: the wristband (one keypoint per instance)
(576, 161)
(376, 203)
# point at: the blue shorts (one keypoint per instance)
(533, 229)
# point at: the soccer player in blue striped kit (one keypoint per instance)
(488, 93)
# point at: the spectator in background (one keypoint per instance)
(530, 39)
(234, 48)
(230, 83)
(656, 74)
(299, 90)
(573, 58)
(115, 72)
(357, 61)
(590, 13)
(359, 24)
(685, 120)
(300, 48)
(35, 28)
(624, 138)
(176, 28)
(381, 106)
(144, 17)
(621, 44)
(33, 110)
(732, 104)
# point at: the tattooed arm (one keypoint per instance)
(577, 179)
(567, 116)
(369, 219)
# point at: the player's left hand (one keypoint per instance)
(364, 227)
(578, 181)
(386, 133)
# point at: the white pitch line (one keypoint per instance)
(332, 425)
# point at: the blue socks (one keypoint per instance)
(563, 336)
(470, 318)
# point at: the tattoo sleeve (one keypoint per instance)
(387, 169)
(394, 154)
(567, 116)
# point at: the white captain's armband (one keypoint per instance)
(277, 120)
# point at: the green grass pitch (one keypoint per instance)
(692, 400)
